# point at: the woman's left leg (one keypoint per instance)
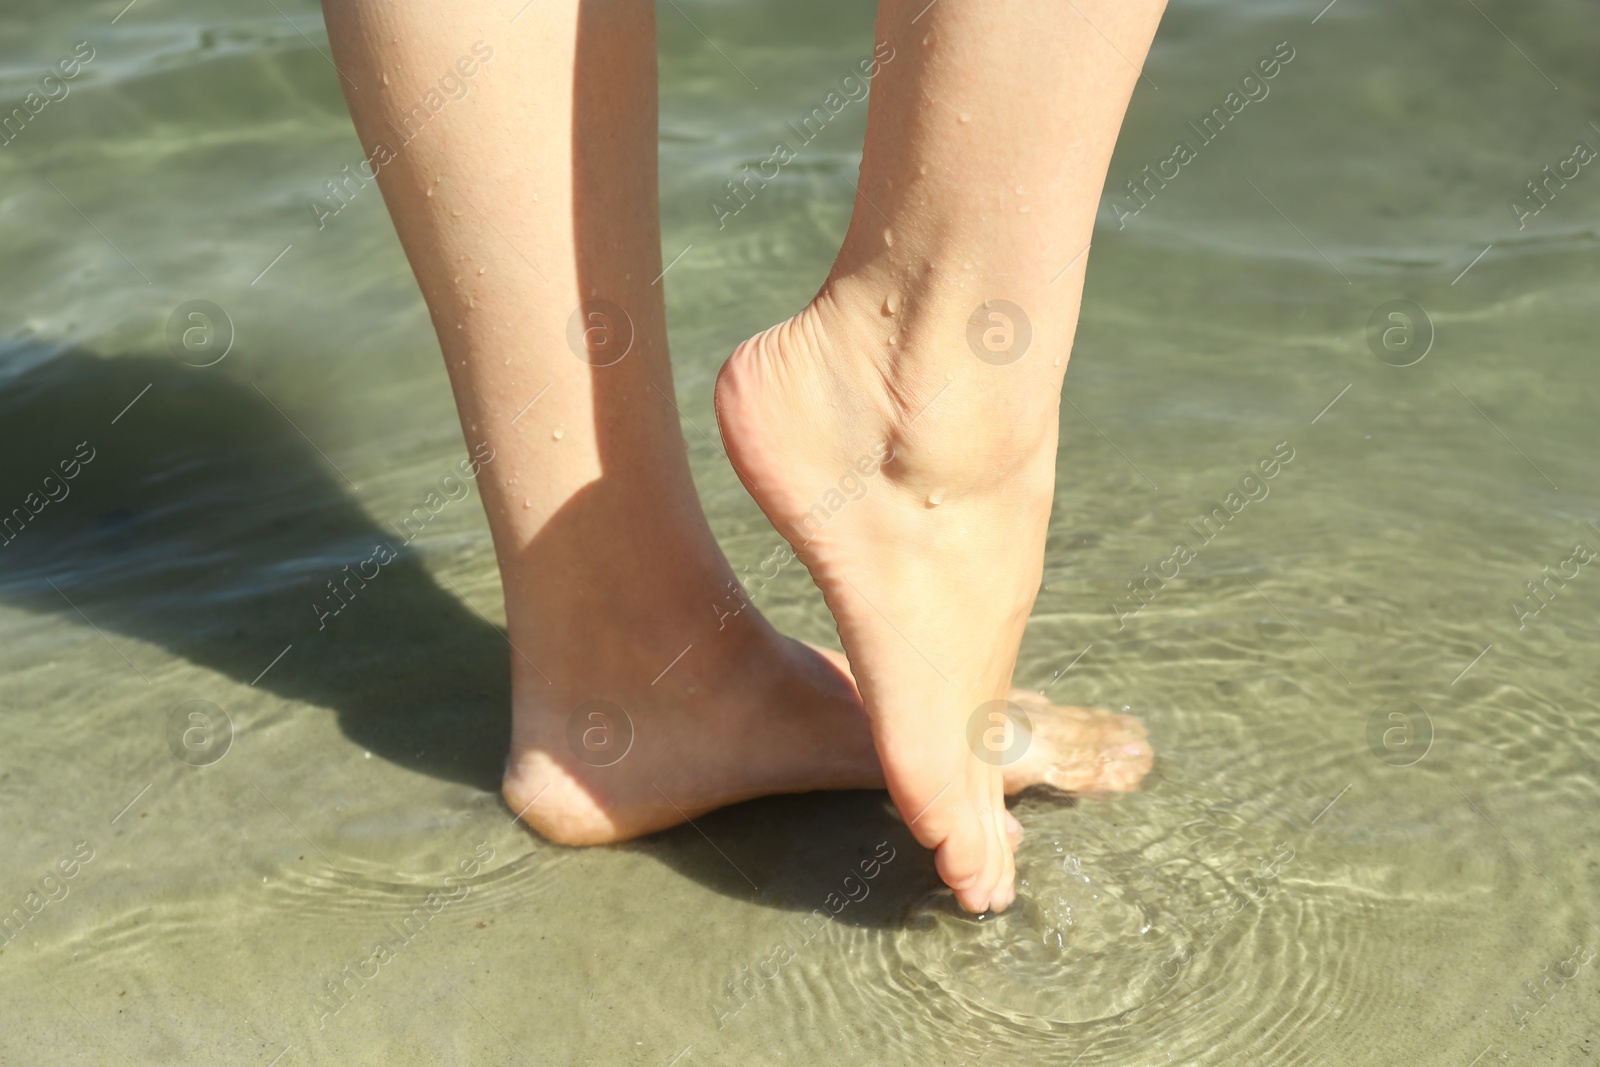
(518, 161)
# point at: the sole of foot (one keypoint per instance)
(915, 483)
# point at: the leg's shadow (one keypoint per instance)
(206, 524)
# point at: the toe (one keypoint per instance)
(1080, 750)
(971, 859)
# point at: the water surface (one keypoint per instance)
(1369, 836)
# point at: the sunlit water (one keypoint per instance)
(1369, 837)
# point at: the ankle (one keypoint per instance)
(950, 266)
(966, 390)
(607, 626)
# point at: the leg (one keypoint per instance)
(988, 137)
(608, 566)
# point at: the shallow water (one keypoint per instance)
(1305, 878)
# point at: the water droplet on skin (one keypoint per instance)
(922, 169)
(1023, 210)
(936, 498)
(891, 304)
(429, 193)
(480, 271)
(949, 376)
(525, 504)
(456, 213)
(386, 79)
(535, 198)
(1057, 363)
(888, 237)
(558, 433)
(966, 266)
(1019, 190)
(894, 338)
(965, 117)
(471, 303)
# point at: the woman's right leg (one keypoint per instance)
(941, 337)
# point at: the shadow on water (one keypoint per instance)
(206, 525)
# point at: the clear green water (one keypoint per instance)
(1283, 891)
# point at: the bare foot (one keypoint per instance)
(1072, 749)
(614, 748)
(1078, 750)
(915, 482)
(757, 715)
